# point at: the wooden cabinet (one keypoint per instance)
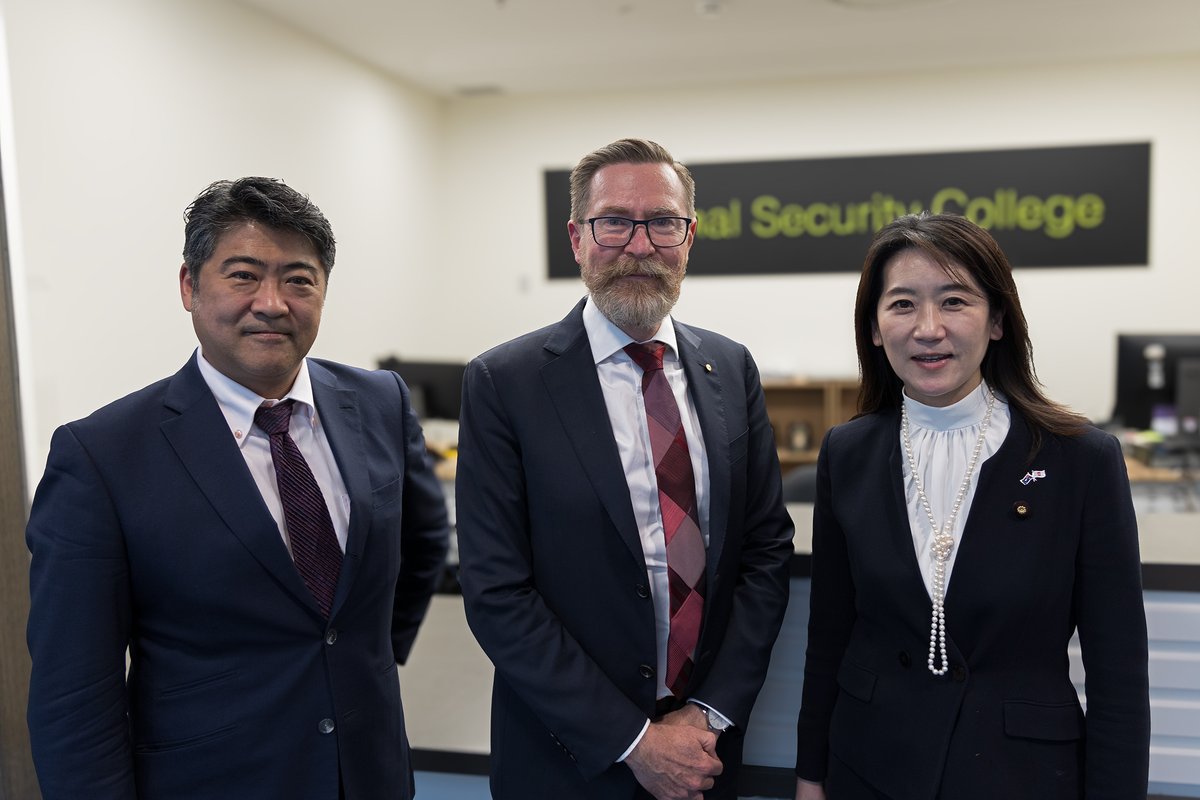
(801, 411)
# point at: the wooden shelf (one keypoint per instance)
(801, 411)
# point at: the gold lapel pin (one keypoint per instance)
(708, 367)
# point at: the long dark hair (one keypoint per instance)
(960, 246)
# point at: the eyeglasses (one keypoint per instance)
(618, 231)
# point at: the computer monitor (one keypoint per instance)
(1156, 370)
(436, 386)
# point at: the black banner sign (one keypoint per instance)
(1048, 207)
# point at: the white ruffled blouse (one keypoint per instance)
(942, 442)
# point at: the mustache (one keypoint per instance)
(628, 266)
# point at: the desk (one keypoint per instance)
(1140, 472)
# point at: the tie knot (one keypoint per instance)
(274, 419)
(648, 355)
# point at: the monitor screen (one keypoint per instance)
(1155, 373)
(436, 386)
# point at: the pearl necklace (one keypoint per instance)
(943, 539)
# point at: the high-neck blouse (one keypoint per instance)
(942, 442)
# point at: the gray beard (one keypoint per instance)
(646, 311)
(642, 309)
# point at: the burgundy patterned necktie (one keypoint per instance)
(681, 521)
(315, 546)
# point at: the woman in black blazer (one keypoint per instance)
(965, 527)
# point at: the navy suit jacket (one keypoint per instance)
(148, 532)
(552, 568)
(1005, 721)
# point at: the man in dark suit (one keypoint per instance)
(261, 532)
(624, 545)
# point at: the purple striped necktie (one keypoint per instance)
(680, 519)
(315, 546)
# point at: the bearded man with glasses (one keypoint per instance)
(623, 541)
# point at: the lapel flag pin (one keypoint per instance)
(1032, 476)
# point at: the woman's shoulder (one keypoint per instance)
(862, 429)
(1090, 442)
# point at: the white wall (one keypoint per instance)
(802, 324)
(123, 111)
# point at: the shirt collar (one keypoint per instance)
(607, 340)
(238, 403)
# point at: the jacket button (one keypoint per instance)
(958, 673)
(331, 637)
(325, 725)
(646, 670)
(905, 661)
(642, 591)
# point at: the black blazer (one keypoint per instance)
(1005, 722)
(553, 573)
(148, 531)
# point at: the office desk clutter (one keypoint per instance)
(1156, 416)
(1158, 383)
(436, 391)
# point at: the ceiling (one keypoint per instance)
(486, 47)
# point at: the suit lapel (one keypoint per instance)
(340, 420)
(200, 437)
(704, 387)
(574, 388)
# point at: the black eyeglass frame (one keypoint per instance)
(591, 221)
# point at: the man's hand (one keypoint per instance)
(675, 761)
(690, 714)
(806, 790)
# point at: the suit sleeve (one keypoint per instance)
(532, 651)
(761, 586)
(79, 629)
(1111, 620)
(831, 619)
(424, 535)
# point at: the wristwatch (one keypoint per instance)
(716, 723)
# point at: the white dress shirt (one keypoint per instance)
(621, 384)
(238, 405)
(942, 442)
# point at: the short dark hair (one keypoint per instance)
(226, 204)
(959, 246)
(624, 151)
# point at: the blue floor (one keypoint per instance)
(444, 786)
